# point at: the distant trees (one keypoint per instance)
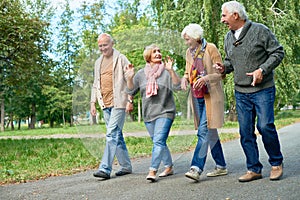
(24, 66)
(46, 73)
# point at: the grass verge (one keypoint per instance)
(33, 159)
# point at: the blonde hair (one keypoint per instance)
(148, 51)
(194, 31)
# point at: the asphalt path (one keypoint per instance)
(136, 187)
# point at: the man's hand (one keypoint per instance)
(184, 83)
(257, 76)
(129, 107)
(93, 109)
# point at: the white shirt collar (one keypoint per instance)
(238, 32)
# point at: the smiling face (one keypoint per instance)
(190, 42)
(105, 45)
(232, 20)
(156, 56)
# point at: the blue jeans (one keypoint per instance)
(206, 137)
(260, 104)
(115, 144)
(159, 131)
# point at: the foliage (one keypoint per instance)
(27, 40)
(24, 40)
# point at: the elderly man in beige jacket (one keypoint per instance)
(109, 90)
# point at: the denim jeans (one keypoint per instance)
(115, 144)
(206, 138)
(159, 131)
(260, 104)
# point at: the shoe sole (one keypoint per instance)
(277, 178)
(151, 179)
(122, 173)
(248, 180)
(191, 177)
(165, 175)
(104, 177)
(223, 174)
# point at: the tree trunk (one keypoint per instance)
(19, 124)
(63, 116)
(2, 115)
(71, 120)
(12, 121)
(32, 117)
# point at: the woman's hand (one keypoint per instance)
(169, 63)
(129, 71)
(200, 83)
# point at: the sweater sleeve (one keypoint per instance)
(273, 49)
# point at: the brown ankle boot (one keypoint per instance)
(167, 172)
(151, 176)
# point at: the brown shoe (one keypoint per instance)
(250, 176)
(167, 172)
(151, 176)
(276, 172)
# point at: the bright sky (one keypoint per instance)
(76, 3)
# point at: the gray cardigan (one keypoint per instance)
(160, 105)
(256, 47)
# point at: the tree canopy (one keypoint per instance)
(47, 57)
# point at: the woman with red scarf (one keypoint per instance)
(156, 82)
(207, 100)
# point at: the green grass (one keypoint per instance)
(282, 119)
(32, 159)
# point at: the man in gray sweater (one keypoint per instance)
(252, 53)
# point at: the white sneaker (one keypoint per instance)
(193, 174)
(217, 172)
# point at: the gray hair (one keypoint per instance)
(235, 7)
(105, 35)
(194, 31)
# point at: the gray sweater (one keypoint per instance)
(160, 105)
(256, 47)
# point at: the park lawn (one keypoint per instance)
(26, 160)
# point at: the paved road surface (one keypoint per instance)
(135, 187)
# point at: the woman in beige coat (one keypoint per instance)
(207, 100)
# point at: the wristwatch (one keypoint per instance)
(130, 101)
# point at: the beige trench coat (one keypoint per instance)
(214, 100)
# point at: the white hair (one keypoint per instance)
(105, 35)
(235, 7)
(194, 31)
